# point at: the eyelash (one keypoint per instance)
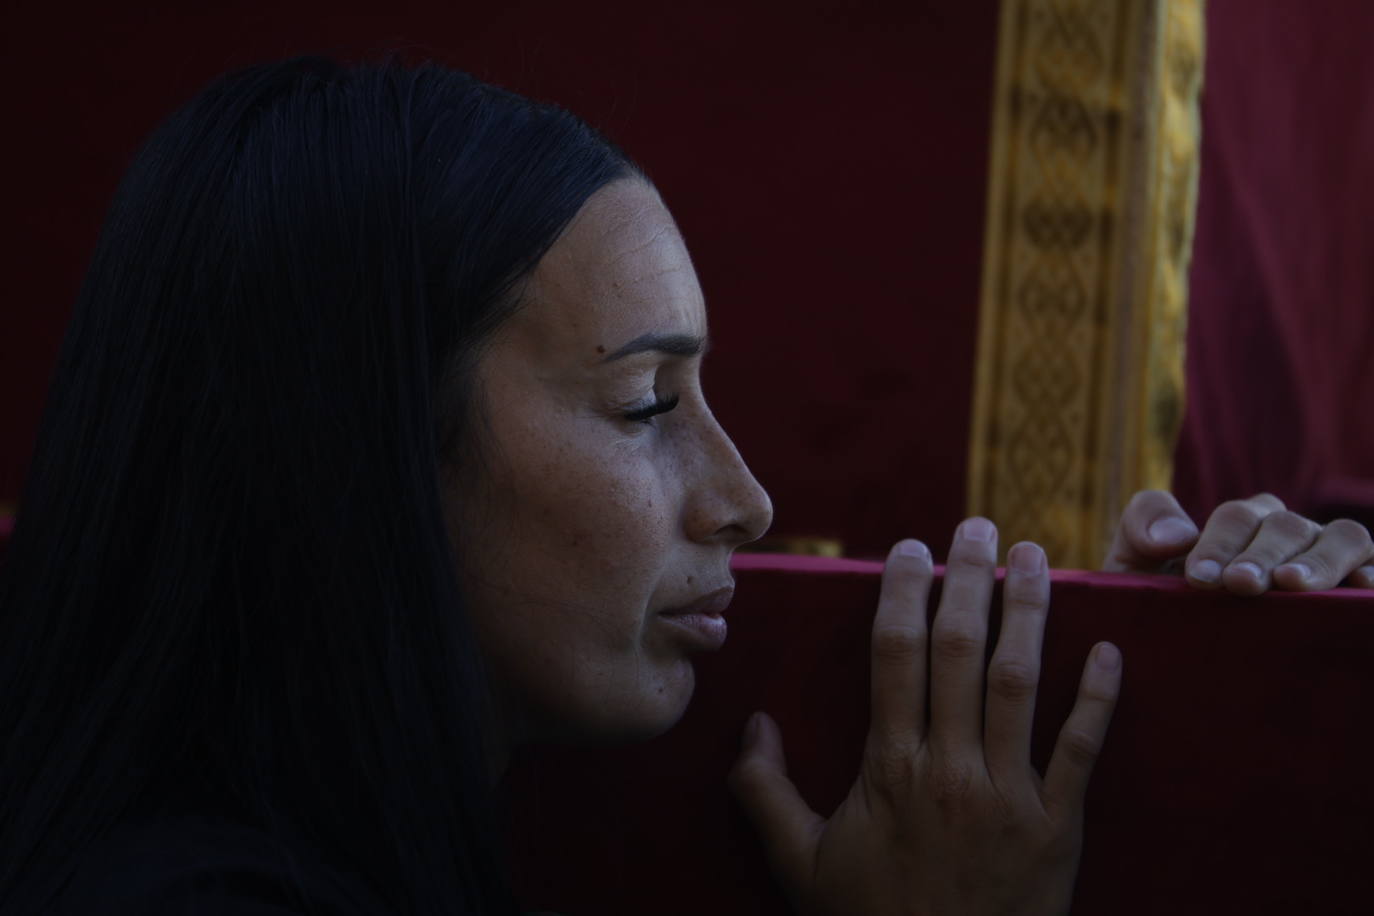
(645, 414)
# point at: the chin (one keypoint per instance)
(652, 711)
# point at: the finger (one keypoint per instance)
(1014, 673)
(899, 648)
(958, 638)
(1229, 531)
(1153, 528)
(1362, 577)
(1080, 740)
(786, 824)
(1281, 535)
(1340, 551)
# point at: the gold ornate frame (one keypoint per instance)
(1078, 389)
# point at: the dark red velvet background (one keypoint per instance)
(1281, 343)
(1234, 779)
(825, 160)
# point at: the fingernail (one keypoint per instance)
(1026, 558)
(977, 529)
(910, 548)
(1301, 570)
(1250, 570)
(1108, 657)
(1207, 571)
(1172, 530)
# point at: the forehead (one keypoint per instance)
(620, 270)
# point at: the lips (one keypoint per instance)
(712, 604)
(701, 625)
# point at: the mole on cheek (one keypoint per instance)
(600, 349)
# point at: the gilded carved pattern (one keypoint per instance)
(1093, 168)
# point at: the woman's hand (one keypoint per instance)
(1248, 546)
(947, 814)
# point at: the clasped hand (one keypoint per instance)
(947, 815)
(1247, 546)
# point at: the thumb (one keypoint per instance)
(788, 827)
(1153, 528)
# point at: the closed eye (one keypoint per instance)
(645, 414)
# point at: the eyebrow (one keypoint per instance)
(672, 344)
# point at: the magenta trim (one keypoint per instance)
(784, 562)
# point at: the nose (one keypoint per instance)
(727, 505)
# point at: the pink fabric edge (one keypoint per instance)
(779, 562)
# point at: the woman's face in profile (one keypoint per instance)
(589, 522)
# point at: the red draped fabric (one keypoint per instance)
(1281, 337)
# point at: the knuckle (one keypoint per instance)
(898, 644)
(973, 559)
(1013, 679)
(1025, 595)
(1080, 747)
(890, 767)
(1238, 513)
(956, 642)
(1099, 694)
(1268, 499)
(951, 781)
(1291, 525)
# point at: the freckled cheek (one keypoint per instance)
(603, 562)
(596, 493)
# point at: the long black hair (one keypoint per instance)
(230, 568)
